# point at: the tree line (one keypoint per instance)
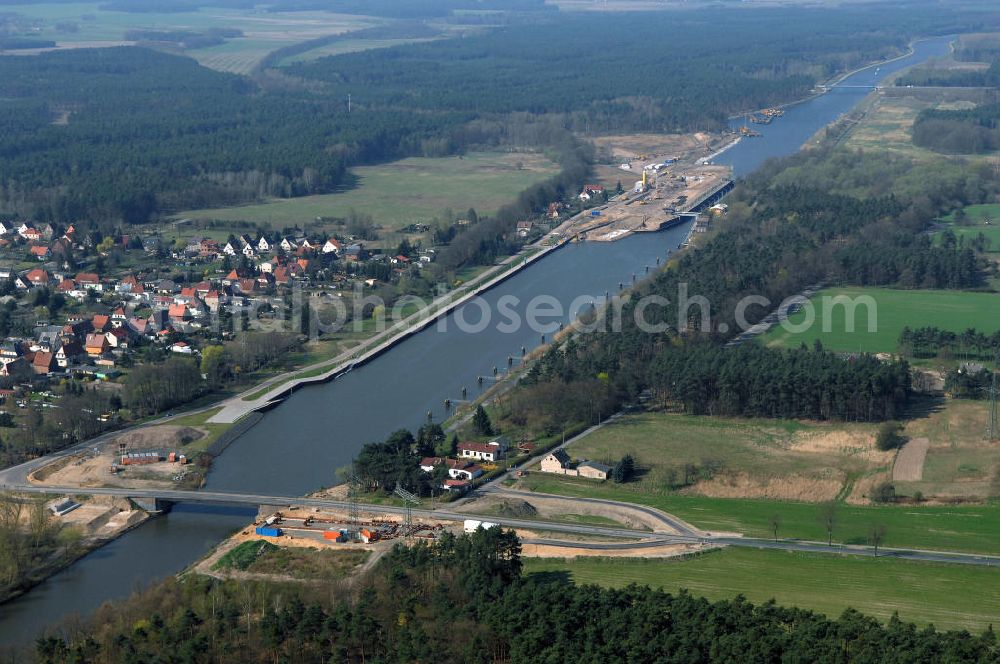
(966, 131)
(466, 599)
(969, 344)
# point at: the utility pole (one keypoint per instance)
(353, 493)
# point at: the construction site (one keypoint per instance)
(667, 191)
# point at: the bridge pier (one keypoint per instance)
(153, 505)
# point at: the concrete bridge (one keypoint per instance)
(628, 538)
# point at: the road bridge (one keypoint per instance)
(627, 538)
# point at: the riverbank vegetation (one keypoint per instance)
(408, 609)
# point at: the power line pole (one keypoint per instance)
(353, 493)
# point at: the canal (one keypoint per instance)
(298, 446)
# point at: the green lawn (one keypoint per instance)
(950, 596)
(893, 310)
(200, 421)
(414, 190)
(977, 217)
(970, 528)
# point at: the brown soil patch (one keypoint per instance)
(857, 444)
(625, 147)
(863, 488)
(791, 487)
(550, 507)
(163, 438)
(909, 465)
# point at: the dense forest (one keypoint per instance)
(972, 131)
(961, 78)
(147, 132)
(465, 599)
(125, 134)
(656, 72)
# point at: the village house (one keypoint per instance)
(556, 461)
(38, 278)
(591, 191)
(559, 463)
(181, 347)
(491, 451)
(96, 345)
(332, 246)
(470, 472)
(69, 353)
(593, 470)
(44, 363)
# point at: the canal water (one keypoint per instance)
(801, 121)
(297, 447)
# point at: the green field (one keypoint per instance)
(970, 528)
(894, 310)
(949, 596)
(408, 191)
(262, 33)
(351, 46)
(977, 217)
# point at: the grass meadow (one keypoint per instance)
(949, 596)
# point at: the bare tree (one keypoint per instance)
(828, 517)
(876, 534)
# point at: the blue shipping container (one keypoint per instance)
(595, 213)
(268, 532)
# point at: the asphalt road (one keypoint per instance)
(634, 538)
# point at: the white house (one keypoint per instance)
(181, 347)
(331, 246)
(263, 245)
(491, 451)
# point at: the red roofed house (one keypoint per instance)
(89, 280)
(178, 312)
(38, 277)
(481, 451)
(101, 323)
(97, 344)
(41, 252)
(455, 485)
(44, 362)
